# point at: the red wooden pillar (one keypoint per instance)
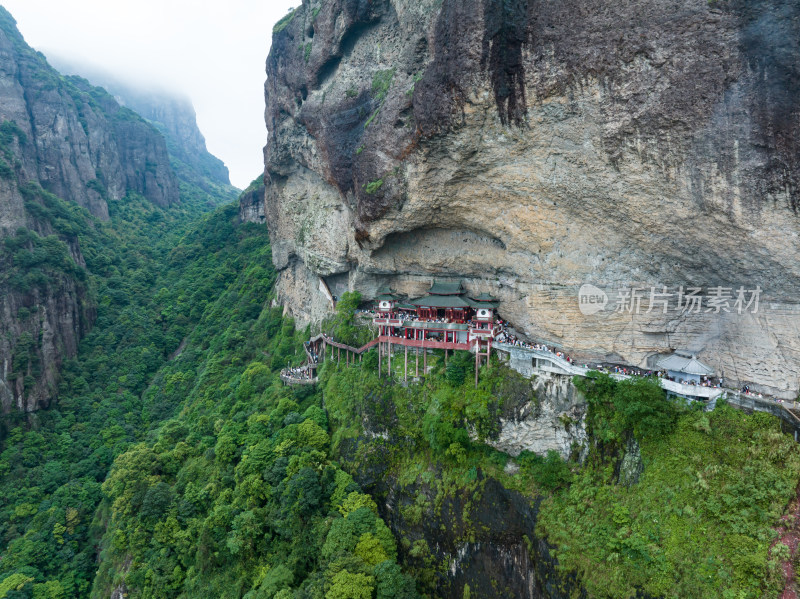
(477, 360)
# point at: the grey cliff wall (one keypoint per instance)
(251, 203)
(555, 420)
(171, 113)
(529, 147)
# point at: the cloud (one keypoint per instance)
(213, 52)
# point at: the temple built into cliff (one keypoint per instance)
(446, 318)
(450, 318)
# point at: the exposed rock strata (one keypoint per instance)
(530, 147)
(173, 115)
(487, 539)
(58, 318)
(251, 204)
(483, 536)
(555, 421)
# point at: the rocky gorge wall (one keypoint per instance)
(527, 148)
(476, 538)
(251, 204)
(57, 318)
(172, 114)
(64, 136)
(79, 143)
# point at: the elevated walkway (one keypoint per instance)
(291, 377)
(355, 350)
(530, 361)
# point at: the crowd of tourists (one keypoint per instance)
(505, 337)
(312, 353)
(302, 373)
(746, 391)
(624, 370)
(705, 381)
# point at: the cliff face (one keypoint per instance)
(251, 203)
(527, 148)
(174, 116)
(176, 119)
(39, 330)
(62, 136)
(462, 539)
(79, 141)
(554, 421)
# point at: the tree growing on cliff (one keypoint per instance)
(617, 408)
(343, 326)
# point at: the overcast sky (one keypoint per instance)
(213, 52)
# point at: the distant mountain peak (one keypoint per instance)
(171, 112)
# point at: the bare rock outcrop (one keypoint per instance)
(554, 421)
(527, 148)
(251, 203)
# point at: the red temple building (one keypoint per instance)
(446, 318)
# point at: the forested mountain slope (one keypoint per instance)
(177, 465)
(221, 480)
(64, 139)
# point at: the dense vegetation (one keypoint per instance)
(427, 442)
(700, 520)
(182, 460)
(149, 294)
(222, 483)
(177, 460)
(239, 496)
(344, 325)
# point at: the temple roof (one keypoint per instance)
(441, 301)
(445, 288)
(484, 297)
(385, 298)
(685, 362)
(482, 303)
(385, 290)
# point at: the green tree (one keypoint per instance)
(349, 585)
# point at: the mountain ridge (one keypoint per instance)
(67, 142)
